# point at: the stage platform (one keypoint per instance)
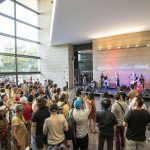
(112, 91)
(101, 91)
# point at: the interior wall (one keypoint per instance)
(55, 60)
(123, 54)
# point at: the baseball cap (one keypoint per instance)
(78, 103)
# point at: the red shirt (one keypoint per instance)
(27, 113)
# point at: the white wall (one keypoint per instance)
(55, 61)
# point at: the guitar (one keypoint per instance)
(134, 81)
(106, 82)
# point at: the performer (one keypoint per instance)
(102, 79)
(142, 80)
(117, 80)
(85, 80)
(106, 82)
(135, 79)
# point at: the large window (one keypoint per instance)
(27, 65)
(6, 25)
(7, 64)
(7, 45)
(19, 32)
(27, 48)
(7, 7)
(29, 17)
(33, 4)
(26, 31)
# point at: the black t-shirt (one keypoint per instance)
(39, 117)
(137, 121)
(106, 121)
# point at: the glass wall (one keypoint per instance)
(7, 63)
(19, 30)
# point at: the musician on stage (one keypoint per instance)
(102, 79)
(106, 82)
(142, 80)
(117, 80)
(135, 79)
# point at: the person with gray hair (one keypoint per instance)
(19, 131)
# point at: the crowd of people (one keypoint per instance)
(44, 114)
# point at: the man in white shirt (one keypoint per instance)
(81, 118)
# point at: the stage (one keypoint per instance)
(112, 91)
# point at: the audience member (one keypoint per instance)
(136, 121)
(119, 108)
(106, 122)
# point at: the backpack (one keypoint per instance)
(71, 133)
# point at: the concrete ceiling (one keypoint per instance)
(80, 21)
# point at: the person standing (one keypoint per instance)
(118, 108)
(102, 79)
(106, 122)
(92, 115)
(54, 127)
(19, 131)
(142, 80)
(38, 121)
(106, 82)
(132, 93)
(81, 118)
(135, 80)
(117, 80)
(136, 121)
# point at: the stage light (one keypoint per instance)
(147, 45)
(128, 46)
(118, 47)
(137, 45)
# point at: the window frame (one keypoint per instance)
(16, 73)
